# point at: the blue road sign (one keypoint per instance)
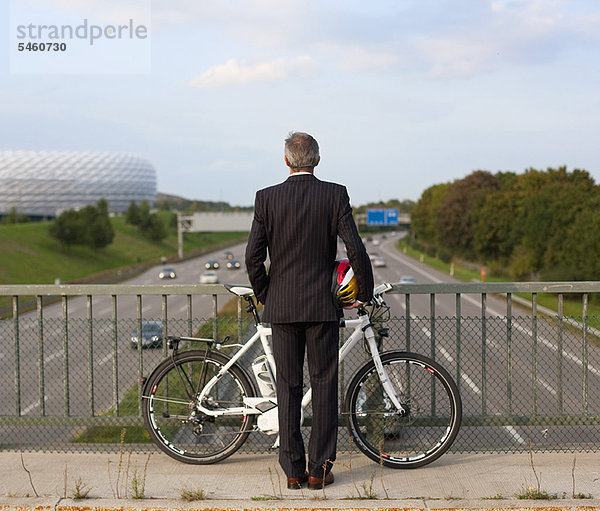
(382, 217)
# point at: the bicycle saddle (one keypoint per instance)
(239, 290)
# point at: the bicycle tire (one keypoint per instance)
(434, 411)
(174, 423)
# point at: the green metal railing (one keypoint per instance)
(70, 380)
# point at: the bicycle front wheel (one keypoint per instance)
(433, 411)
(171, 414)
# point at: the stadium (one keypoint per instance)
(42, 184)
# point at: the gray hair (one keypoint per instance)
(301, 150)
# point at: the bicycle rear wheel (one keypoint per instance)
(171, 416)
(432, 400)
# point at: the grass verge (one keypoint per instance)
(571, 307)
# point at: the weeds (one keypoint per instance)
(138, 481)
(577, 495)
(23, 465)
(498, 496)
(122, 486)
(81, 490)
(369, 492)
(581, 496)
(273, 483)
(533, 494)
(190, 495)
(324, 474)
(538, 479)
(116, 488)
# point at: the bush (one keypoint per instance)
(89, 226)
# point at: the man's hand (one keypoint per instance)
(355, 305)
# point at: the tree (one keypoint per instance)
(153, 228)
(99, 232)
(495, 231)
(459, 210)
(143, 213)
(582, 244)
(132, 216)
(423, 217)
(89, 226)
(67, 229)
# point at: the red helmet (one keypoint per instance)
(343, 286)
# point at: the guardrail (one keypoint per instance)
(70, 379)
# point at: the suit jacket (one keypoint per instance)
(297, 222)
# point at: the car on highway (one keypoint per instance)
(407, 279)
(228, 255)
(209, 277)
(376, 242)
(212, 265)
(151, 335)
(379, 262)
(167, 273)
(234, 264)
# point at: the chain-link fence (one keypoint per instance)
(71, 372)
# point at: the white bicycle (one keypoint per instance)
(402, 409)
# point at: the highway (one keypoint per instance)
(77, 364)
(535, 385)
(496, 379)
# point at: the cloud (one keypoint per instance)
(242, 72)
(522, 32)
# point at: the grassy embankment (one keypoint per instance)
(571, 307)
(28, 255)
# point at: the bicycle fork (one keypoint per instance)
(383, 376)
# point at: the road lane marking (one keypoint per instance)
(105, 359)
(569, 356)
(513, 432)
(464, 376)
(547, 386)
(32, 407)
(466, 297)
(592, 369)
(50, 358)
(492, 312)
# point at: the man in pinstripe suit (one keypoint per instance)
(297, 222)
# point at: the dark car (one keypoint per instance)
(233, 264)
(228, 255)
(151, 335)
(212, 265)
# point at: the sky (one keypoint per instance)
(401, 95)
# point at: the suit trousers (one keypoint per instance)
(320, 341)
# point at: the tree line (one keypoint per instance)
(538, 225)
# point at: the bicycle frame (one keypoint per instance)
(361, 325)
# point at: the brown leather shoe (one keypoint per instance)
(295, 483)
(316, 483)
